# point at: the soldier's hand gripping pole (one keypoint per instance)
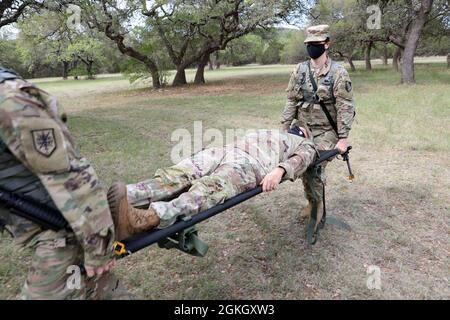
(346, 158)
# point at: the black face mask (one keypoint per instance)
(315, 50)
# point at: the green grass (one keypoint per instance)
(398, 206)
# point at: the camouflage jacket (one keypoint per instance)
(276, 148)
(32, 130)
(334, 87)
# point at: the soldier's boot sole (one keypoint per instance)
(118, 204)
(127, 219)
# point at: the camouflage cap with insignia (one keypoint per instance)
(317, 33)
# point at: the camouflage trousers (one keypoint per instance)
(197, 183)
(313, 182)
(55, 275)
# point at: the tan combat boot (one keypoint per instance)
(319, 213)
(306, 211)
(128, 220)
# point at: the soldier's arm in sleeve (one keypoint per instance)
(293, 97)
(79, 195)
(345, 108)
(43, 144)
(299, 161)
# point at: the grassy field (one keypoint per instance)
(398, 206)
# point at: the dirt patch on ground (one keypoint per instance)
(95, 99)
(250, 86)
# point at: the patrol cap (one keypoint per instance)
(317, 33)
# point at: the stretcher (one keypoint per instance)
(183, 234)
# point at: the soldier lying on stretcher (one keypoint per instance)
(209, 178)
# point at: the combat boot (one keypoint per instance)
(306, 211)
(319, 215)
(128, 220)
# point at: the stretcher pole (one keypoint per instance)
(136, 243)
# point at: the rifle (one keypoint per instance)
(28, 208)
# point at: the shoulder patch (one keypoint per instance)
(44, 141)
(43, 145)
(348, 86)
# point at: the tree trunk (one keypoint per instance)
(89, 66)
(74, 66)
(210, 63)
(350, 62)
(129, 51)
(65, 70)
(396, 58)
(367, 55)
(448, 61)
(217, 60)
(180, 77)
(384, 57)
(156, 81)
(200, 75)
(412, 41)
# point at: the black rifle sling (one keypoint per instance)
(322, 104)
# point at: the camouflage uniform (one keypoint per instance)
(334, 87)
(216, 174)
(38, 159)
